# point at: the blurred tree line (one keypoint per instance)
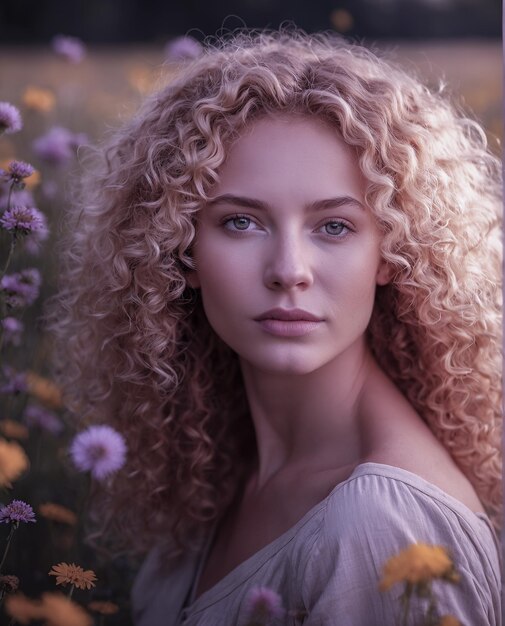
(150, 21)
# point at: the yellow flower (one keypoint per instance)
(58, 513)
(61, 611)
(74, 575)
(14, 430)
(22, 608)
(44, 390)
(13, 462)
(38, 99)
(104, 608)
(449, 620)
(419, 563)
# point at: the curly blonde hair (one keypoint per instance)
(134, 348)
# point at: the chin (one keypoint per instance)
(296, 365)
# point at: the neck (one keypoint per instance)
(310, 420)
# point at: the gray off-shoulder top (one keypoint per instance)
(327, 566)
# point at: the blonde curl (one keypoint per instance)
(134, 348)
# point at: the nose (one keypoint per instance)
(289, 263)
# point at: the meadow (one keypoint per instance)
(87, 99)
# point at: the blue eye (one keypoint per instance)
(335, 227)
(240, 222)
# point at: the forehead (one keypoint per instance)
(291, 154)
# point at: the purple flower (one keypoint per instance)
(100, 450)
(10, 118)
(38, 417)
(15, 382)
(58, 145)
(263, 605)
(18, 170)
(182, 48)
(32, 242)
(15, 512)
(55, 146)
(71, 48)
(12, 329)
(21, 288)
(24, 220)
(49, 189)
(78, 139)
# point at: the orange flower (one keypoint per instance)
(54, 608)
(61, 611)
(22, 608)
(33, 180)
(58, 513)
(142, 79)
(342, 20)
(74, 575)
(419, 563)
(104, 608)
(44, 390)
(13, 462)
(14, 430)
(38, 99)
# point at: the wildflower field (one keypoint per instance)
(53, 101)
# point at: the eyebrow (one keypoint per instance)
(318, 205)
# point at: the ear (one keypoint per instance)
(385, 273)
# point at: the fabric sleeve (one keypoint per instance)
(383, 516)
(144, 586)
(157, 596)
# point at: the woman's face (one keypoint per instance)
(287, 229)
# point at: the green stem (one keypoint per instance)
(71, 591)
(14, 525)
(9, 256)
(406, 604)
(9, 196)
(3, 303)
(431, 615)
(3, 306)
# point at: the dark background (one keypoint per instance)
(151, 21)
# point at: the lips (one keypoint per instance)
(288, 315)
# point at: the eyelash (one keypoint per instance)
(333, 221)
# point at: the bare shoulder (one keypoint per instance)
(398, 436)
(445, 475)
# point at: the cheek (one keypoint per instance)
(214, 282)
(223, 294)
(353, 269)
(350, 285)
(223, 284)
(223, 267)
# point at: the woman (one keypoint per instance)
(284, 291)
